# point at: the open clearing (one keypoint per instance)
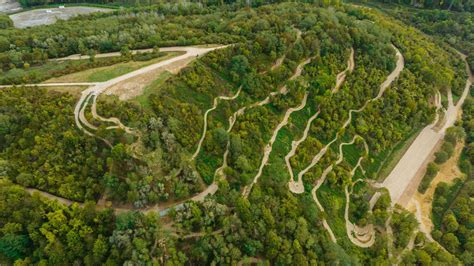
(9, 6)
(102, 74)
(49, 16)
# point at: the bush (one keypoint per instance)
(430, 174)
(5, 22)
(448, 147)
(441, 157)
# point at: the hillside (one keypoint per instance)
(222, 134)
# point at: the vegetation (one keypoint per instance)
(452, 208)
(464, 5)
(39, 231)
(40, 146)
(455, 29)
(431, 172)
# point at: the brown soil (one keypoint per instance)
(133, 87)
(447, 173)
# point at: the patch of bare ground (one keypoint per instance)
(133, 87)
(447, 173)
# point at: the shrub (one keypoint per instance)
(430, 174)
(5, 22)
(441, 157)
(448, 148)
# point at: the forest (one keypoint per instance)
(277, 81)
(463, 5)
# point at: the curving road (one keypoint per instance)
(284, 122)
(341, 77)
(100, 87)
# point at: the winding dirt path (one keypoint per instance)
(268, 148)
(340, 78)
(98, 88)
(363, 237)
(214, 106)
(298, 187)
(68, 84)
(321, 181)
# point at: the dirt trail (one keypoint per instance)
(341, 77)
(268, 148)
(363, 237)
(214, 106)
(98, 88)
(321, 181)
(297, 187)
(52, 197)
(284, 122)
(280, 60)
(295, 144)
(404, 179)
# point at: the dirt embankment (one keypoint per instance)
(447, 173)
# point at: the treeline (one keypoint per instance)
(454, 28)
(32, 3)
(453, 211)
(112, 32)
(35, 230)
(461, 5)
(254, 3)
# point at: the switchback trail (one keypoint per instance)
(323, 178)
(214, 106)
(268, 148)
(298, 187)
(98, 88)
(284, 122)
(340, 78)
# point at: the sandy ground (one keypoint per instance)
(9, 6)
(447, 173)
(49, 16)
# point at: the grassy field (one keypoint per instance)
(109, 72)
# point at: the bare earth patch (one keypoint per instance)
(447, 173)
(9, 6)
(101, 74)
(133, 87)
(48, 16)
